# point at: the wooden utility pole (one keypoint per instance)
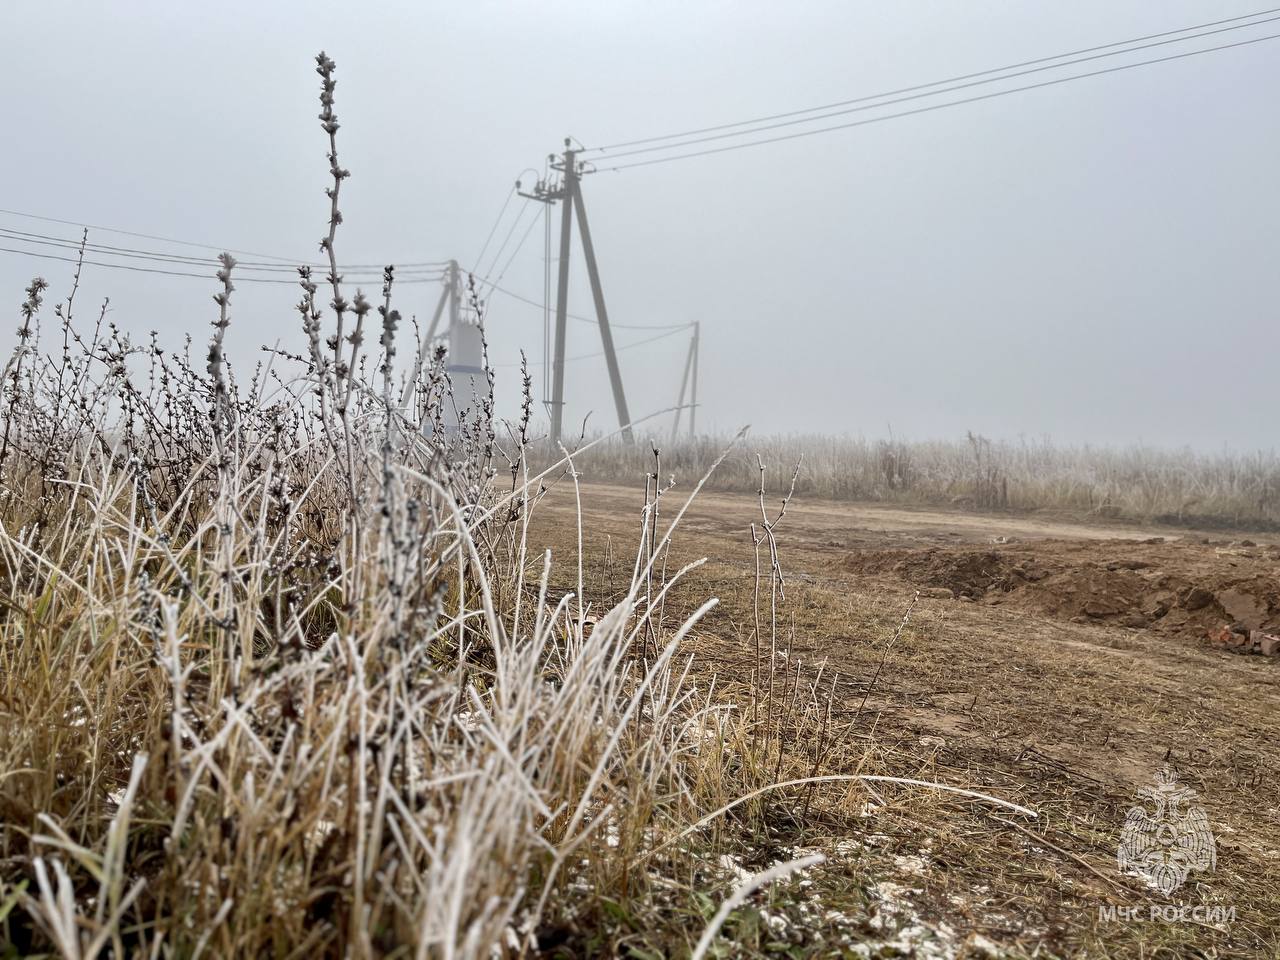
(569, 193)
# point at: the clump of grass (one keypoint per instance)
(278, 675)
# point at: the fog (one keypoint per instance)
(1092, 261)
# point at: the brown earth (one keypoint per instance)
(1054, 661)
(1184, 589)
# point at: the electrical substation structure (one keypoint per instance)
(464, 355)
(451, 298)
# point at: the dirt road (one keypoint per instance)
(1059, 661)
(854, 524)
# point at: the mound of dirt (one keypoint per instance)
(1179, 588)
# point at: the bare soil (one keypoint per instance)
(1058, 662)
(1184, 589)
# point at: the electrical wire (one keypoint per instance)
(147, 236)
(184, 260)
(600, 353)
(932, 83)
(494, 229)
(125, 266)
(917, 96)
(421, 274)
(178, 273)
(573, 316)
(510, 232)
(932, 107)
(511, 259)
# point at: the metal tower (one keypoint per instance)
(450, 296)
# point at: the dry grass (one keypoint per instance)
(1177, 487)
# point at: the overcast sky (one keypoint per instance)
(1093, 262)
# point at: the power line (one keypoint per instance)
(418, 275)
(932, 107)
(178, 273)
(625, 326)
(929, 93)
(184, 260)
(421, 275)
(286, 264)
(146, 236)
(511, 259)
(507, 239)
(494, 229)
(933, 83)
(125, 266)
(600, 353)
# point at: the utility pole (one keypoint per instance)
(693, 408)
(690, 373)
(569, 193)
(562, 298)
(602, 315)
(684, 386)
